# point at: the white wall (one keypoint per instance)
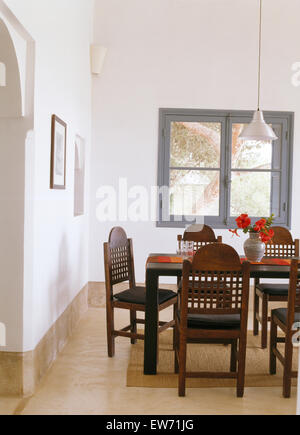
(58, 256)
(185, 54)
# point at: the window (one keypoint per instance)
(205, 172)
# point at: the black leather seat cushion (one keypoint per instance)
(281, 314)
(274, 289)
(137, 295)
(215, 322)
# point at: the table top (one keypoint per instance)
(171, 265)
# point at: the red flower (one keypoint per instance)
(235, 232)
(260, 225)
(267, 236)
(264, 238)
(243, 221)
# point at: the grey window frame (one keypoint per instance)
(227, 118)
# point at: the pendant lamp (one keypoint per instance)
(258, 130)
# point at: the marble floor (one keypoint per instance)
(84, 380)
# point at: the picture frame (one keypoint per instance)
(58, 153)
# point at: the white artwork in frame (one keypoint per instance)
(58, 153)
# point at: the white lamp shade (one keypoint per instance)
(258, 130)
(98, 54)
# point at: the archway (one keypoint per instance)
(10, 89)
(16, 182)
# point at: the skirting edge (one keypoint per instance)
(20, 373)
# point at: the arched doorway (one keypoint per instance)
(10, 89)
(16, 120)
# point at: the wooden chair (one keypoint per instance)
(281, 246)
(214, 309)
(119, 268)
(200, 238)
(285, 318)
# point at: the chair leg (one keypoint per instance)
(287, 376)
(273, 344)
(133, 325)
(241, 367)
(175, 310)
(256, 313)
(110, 330)
(264, 326)
(182, 366)
(233, 360)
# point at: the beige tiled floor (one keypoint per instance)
(8, 405)
(84, 381)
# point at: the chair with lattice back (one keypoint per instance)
(281, 246)
(213, 309)
(288, 320)
(205, 236)
(119, 268)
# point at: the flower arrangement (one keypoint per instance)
(262, 227)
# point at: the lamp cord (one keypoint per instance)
(259, 51)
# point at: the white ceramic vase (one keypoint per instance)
(254, 248)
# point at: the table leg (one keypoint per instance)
(151, 326)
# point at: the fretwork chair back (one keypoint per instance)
(201, 238)
(119, 268)
(281, 246)
(288, 320)
(213, 309)
(205, 236)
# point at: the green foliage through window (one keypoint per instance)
(212, 174)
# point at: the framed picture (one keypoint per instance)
(58, 153)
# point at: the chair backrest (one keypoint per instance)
(201, 238)
(282, 244)
(118, 259)
(216, 282)
(294, 294)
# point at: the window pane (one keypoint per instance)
(195, 144)
(276, 186)
(194, 193)
(251, 194)
(250, 154)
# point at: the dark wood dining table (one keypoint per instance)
(165, 265)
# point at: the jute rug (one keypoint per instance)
(204, 358)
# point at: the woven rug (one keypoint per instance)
(203, 357)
